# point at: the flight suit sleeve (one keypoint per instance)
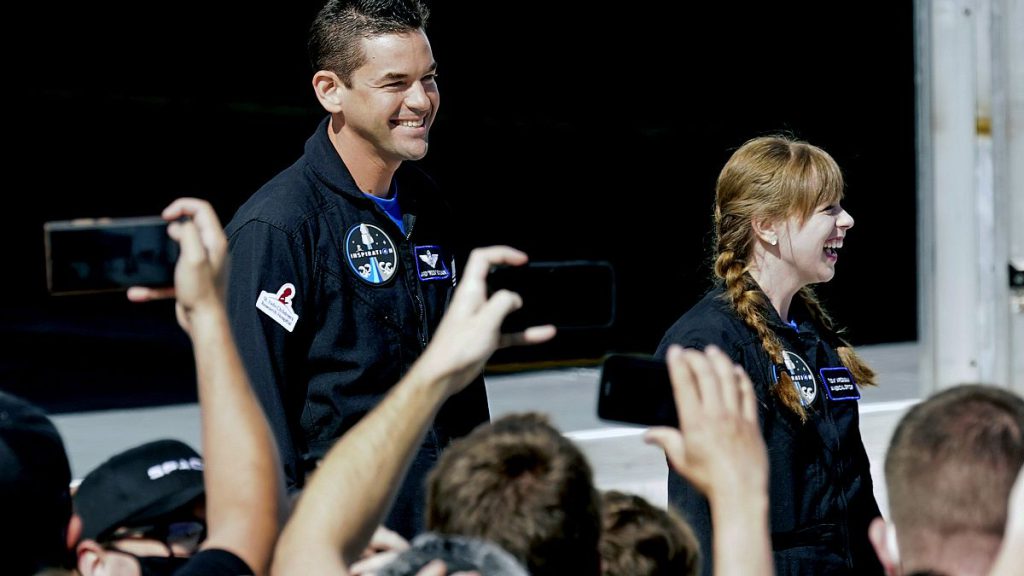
(269, 290)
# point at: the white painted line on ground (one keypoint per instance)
(893, 406)
(606, 433)
(603, 433)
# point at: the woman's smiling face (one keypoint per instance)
(810, 248)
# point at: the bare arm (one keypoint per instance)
(244, 489)
(350, 492)
(718, 448)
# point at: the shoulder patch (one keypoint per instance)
(279, 306)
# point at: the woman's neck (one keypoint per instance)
(779, 289)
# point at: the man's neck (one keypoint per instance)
(371, 173)
(961, 554)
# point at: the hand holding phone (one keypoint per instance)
(571, 295)
(636, 390)
(109, 254)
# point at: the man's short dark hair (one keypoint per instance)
(952, 462)
(521, 484)
(334, 38)
(641, 539)
(35, 493)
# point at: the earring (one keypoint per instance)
(774, 240)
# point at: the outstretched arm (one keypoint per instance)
(350, 492)
(244, 493)
(718, 448)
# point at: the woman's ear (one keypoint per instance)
(765, 230)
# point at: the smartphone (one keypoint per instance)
(572, 295)
(636, 390)
(108, 254)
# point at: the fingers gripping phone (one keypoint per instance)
(636, 390)
(573, 295)
(102, 255)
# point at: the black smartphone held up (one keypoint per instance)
(108, 254)
(636, 390)
(572, 295)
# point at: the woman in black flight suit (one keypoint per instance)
(778, 229)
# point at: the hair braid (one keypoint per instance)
(749, 303)
(862, 373)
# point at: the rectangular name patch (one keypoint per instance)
(430, 264)
(839, 384)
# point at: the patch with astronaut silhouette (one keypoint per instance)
(371, 254)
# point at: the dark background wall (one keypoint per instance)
(564, 130)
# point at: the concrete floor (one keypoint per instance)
(617, 453)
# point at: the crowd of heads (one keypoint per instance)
(516, 497)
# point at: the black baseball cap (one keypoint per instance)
(35, 491)
(139, 486)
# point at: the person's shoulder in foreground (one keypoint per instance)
(35, 491)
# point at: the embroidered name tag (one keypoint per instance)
(839, 384)
(279, 306)
(430, 265)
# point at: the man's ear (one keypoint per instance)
(885, 546)
(90, 558)
(329, 90)
(74, 531)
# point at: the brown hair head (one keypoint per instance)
(773, 178)
(952, 462)
(640, 539)
(521, 484)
